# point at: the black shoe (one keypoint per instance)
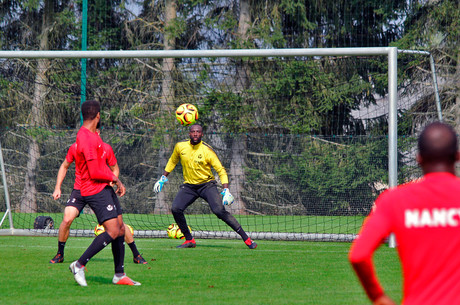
(57, 259)
(139, 260)
(188, 244)
(250, 243)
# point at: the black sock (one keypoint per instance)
(243, 234)
(133, 248)
(61, 245)
(100, 242)
(118, 251)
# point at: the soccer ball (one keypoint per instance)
(174, 232)
(187, 114)
(99, 229)
(130, 228)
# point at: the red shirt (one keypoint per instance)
(425, 218)
(110, 155)
(90, 161)
(70, 157)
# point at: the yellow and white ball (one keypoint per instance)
(187, 114)
(130, 228)
(99, 229)
(174, 231)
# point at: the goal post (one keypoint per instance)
(299, 225)
(6, 193)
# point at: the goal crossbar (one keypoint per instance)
(199, 53)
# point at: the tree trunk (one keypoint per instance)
(29, 197)
(28, 203)
(167, 98)
(236, 174)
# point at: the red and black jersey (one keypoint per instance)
(90, 161)
(70, 157)
(425, 218)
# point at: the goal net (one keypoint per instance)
(308, 138)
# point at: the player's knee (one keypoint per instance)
(113, 231)
(220, 213)
(122, 230)
(176, 210)
(67, 222)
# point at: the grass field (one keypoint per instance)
(215, 272)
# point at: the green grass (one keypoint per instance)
(216, 272)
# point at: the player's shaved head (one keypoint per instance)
(438, 144)
(90, 109)
(196, 127)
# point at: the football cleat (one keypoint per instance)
(188, 244)
(57, 259)
(139, 260)
(250, 243)
(124, 280)
(78, 273)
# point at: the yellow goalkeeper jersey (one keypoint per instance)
(196, 161)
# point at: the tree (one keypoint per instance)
(241, 83)
(42, 25)
(434, 26)
(28, 202)
(29, 25)
(167, 93)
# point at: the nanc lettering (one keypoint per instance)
(432, 218)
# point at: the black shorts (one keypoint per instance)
(76, 201)
(188, 193)
(105, 204)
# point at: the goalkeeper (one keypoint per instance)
(197, 158)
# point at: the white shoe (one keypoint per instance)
(78, 274)
(124, 280)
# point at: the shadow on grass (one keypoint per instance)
(99, 279)
(201, 246)
(209, 246)
(101, 259)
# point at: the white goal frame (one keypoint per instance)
(390, 52)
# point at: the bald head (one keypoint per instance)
(438, 144)
(196, 127)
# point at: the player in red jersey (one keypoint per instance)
(425, 218)
(75, 204)
(95, 179)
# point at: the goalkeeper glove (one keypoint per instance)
(227, 198)
(159, 185)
